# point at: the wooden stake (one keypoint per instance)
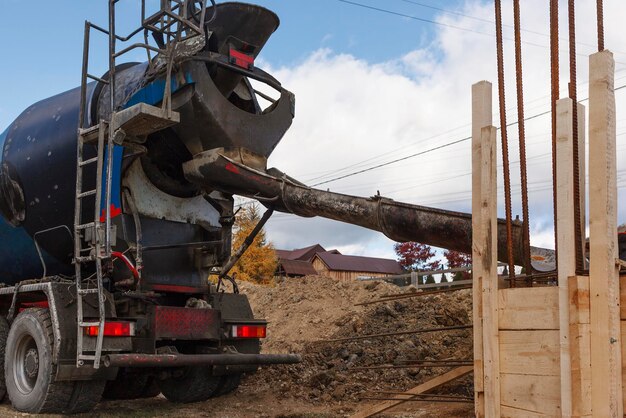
(606, 364)
(566, 242)
(485, 247)
(481, 116)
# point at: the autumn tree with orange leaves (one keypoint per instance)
(259, 262)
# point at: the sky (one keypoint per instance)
(372, 86)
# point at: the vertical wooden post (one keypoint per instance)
(485, 247)
(565, 239)
(481, 117)
(606, 364)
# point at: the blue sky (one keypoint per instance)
(42, 53)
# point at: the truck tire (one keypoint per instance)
(4, 332)
(128, 386)
(125, 386)
(195, 384)
(30, 373)
(228, 383)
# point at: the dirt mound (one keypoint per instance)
(305, 312)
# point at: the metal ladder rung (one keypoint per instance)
(86, 194)
(86, 259)
(86, 357)
(88, 324)
(98, 79)
(88, 291)
(89, 161)
(86, 226)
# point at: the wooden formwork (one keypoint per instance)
(555, 350)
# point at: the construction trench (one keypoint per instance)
(544, 339)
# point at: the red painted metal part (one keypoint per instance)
(39, 304)
(186, 323)
(176, 288)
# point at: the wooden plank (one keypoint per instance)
(581, 369)
(566, 242)
(509, 412)
(622, 293)
(580, 345)
(579, 299)
(485, 248)
(481, 116)
(623, 346)
(422, 388)
(606, 364)
(530, 352)
(529, 308)
(539, 394)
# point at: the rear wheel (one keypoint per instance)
(228, 383)
(191, 384)
(129, 385)
(30, 373)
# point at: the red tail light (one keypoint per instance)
(113, 329)
(249, 331)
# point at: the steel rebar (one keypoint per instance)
(390, 334)
(505, 142)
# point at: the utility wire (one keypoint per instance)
(448, 144)
(447, 25)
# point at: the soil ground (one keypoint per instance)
(302, 314)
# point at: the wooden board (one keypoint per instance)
(606, 363)
(539, 394)
(481, 116)
(509, 412)
(424, 387)
(580, 369)
(566, 242)
(530, 352)
(622, 292)
(579, 299)
(529, 308)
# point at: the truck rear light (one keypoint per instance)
(249, 331)
(113, 329)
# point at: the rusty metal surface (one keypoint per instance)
(178, 360)
(554, 96)
(400, 222)
(600, 15)
(505, 142)
(578, 233)
(519, 76)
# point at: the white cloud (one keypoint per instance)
(352, 114)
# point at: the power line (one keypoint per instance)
(458, 141)
(480, 19)
(447, 25)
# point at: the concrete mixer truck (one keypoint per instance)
(116, 205)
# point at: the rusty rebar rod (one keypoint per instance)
(417, 400)
(580, 264)
(391, 334)
(519, 78)
(600, 14)
(554, 96)
(505, 142)
(412, 295)
(413, 366)
(419, 395)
